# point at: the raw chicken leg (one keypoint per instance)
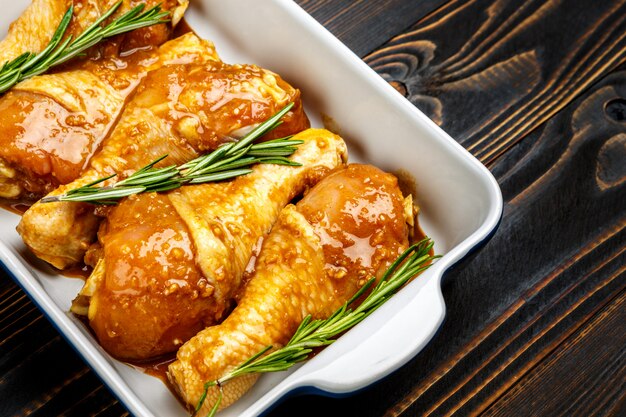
(350, 227)
(50, 125)
(179, 110)
(32, 31)
(171, 264)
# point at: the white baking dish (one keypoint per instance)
(460, 201)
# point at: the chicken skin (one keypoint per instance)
(53, 123)
(171, 264)
(178, 110)
(32, 31)
(348, 228)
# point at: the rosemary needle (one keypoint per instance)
(61, 50)
(228, 161)
(312, 334)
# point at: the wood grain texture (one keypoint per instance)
(601, 343)
(535, 323)
(364, 25)
(40, 375)
(490, 71)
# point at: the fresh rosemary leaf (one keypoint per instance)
(59, 51)
(277, 143)
(206, 388)
(312, 334)
(204, 161)
(166, 186)
(216, 406)
(271, 124)
(147, 178)
(88, 186)
(278, 161)
(101, 195)
(221, 165)
(226, 162)
(286, 151)
(220, 176)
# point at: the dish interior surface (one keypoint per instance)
(459, 200)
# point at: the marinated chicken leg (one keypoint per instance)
(351, 226)
(178, 110)
(171, 264)
(52, 124)
(32, 31)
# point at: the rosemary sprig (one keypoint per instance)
(61, 50)
(228, 161)
(312, 334)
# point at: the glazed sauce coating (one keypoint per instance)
(151, 35)
(46, 139)
(16, 207)
(197, 107)
(78, 271)
(52, 144)
(153, 291)
(358, 214)
(202, 103)
(32, 31)
(48, 143)
(87, 11)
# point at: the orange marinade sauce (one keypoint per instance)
(49, 144)
(358, 213)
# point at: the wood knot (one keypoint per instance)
(616, 109)
(610, 168)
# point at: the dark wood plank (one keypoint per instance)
(490, 71)
(40, 373)
(364, 25)
(599, 344)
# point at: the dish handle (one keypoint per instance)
(385, 341)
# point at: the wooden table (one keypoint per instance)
(536, 323)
